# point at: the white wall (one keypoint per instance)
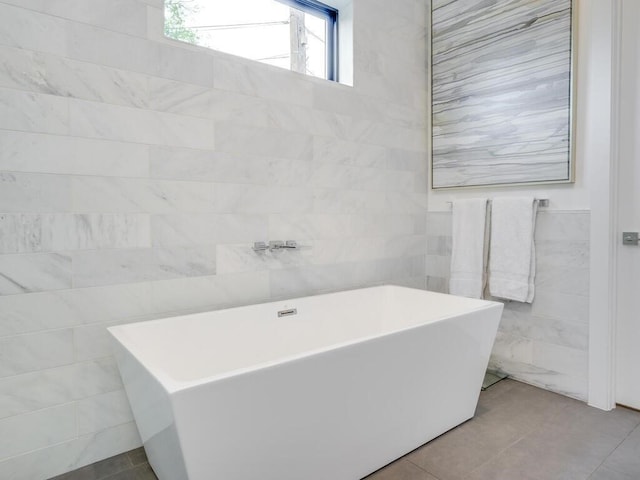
(137, 172)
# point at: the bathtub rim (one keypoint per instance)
(173, 385)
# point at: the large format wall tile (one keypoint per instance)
(37, 153)
(544, 343)
(136, 173)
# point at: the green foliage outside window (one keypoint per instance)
(175, 14)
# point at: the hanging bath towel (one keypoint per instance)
(512, 257)
(468, 254)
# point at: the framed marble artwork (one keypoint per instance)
(501, 82)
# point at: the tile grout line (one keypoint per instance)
(637, 427)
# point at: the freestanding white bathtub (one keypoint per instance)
(334, 388)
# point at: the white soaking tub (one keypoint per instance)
(334, 388)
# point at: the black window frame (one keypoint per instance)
(330, 15)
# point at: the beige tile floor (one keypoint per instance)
(519, 433)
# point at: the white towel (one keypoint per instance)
(512, 257)
(468, 255)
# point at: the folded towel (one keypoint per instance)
(468, 255)
(512, 257)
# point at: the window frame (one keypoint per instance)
(330, 15)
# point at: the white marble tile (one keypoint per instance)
(334, 251)
(110, 267)
(100, 412)
(35, 152)
(95, 377)
(120, 15)
(437, 284)
(574, 281)
(37, 351)
(242, 109)
(33, 112)
(36, 390)
(331, 200)
(102, 121)
(312, 226)
(31, 431)
(24, 192)
(184, 229)
(438, 245)
(180, 98)
(564, 253)
(182, 163)
(262, 170)
(564, 384)
(407, 116)
(189, 66)
(420, 224)
(70, 455)
(557, 358)
(49, 74)
(400, 159)
(557, 331)
(333, 150)
(293, 282)
(55, 386)
(201, 165)
(297, 118)
(513, 348)
(438, 265)
(103, 47)
(187, 295)
(32, 30)
(29, 233)
(439, 223)
(568, 226)
(260, 141)
(34, 273)
(242, 76)
(343, 177)
(93, 341)
(341, 99)
(208, 229)
(154, 3)
(215, 151)
(239, 258)
(66, 308)
(574, 308)
(122, 195)
(391, 136)
(322, 226)
(258, 199)
(34, 312)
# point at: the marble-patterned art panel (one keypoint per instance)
(501, 92)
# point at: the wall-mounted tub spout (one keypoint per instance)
(279, 244)
(275, 245)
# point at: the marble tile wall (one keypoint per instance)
(136, 173)
(544, 343)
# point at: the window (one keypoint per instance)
(300, 35)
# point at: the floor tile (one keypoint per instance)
(606, 473)
(626, 458)
(141, 472)
(401, 470)
(99, 470)
(137, 456)
(453, 455)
